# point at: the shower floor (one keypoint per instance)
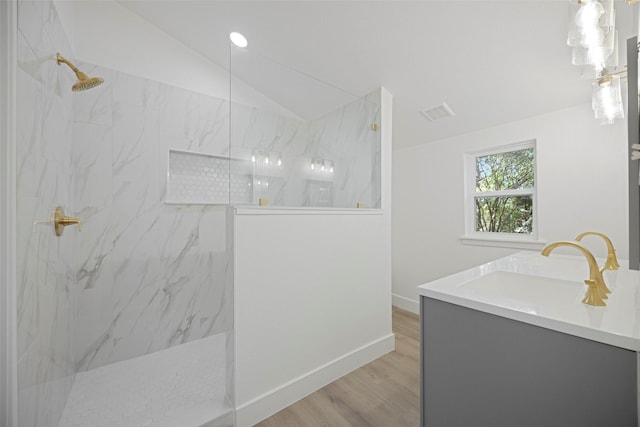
(183, 385)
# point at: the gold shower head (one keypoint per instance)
(84, 82)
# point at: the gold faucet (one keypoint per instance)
(612, 261)
(597, 292)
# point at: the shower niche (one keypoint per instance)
(200, 179)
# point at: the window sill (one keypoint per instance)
(502, 242)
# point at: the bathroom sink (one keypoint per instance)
(520, 291)
(518, 325)
(547, 292)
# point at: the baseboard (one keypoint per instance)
(225, 420)
(405, 303)
(258, 409)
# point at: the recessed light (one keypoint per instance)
(238, 39)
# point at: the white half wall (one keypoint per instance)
(312, 295)
(581, 184)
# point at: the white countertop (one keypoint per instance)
(547, 292)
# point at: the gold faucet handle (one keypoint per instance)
(592, 297)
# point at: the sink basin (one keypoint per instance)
(523, 291)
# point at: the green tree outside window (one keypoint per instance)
(504, 196)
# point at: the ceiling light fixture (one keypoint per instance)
(594, 40)
(238, 39)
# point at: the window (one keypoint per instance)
(500, 194)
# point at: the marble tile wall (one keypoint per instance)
(260, 132)
(343, 137)
(46, 276)
(151, 275)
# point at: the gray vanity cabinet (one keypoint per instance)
(478, 369)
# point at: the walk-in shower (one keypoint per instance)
(131, 321)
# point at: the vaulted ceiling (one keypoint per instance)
(493, 62)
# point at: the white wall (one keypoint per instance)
(581, 184)
(312, 295)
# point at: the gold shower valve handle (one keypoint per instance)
(60, 221)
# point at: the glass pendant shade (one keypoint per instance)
(607, 99)
(608, 18)
(592, 36)
(583, 25)
(594, 41)
(589, 22)
(574, 31)
(597, 58)
(589, 14)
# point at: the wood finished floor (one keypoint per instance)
(383, 393)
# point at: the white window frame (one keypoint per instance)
(510, 240)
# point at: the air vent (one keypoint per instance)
(439, 112)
